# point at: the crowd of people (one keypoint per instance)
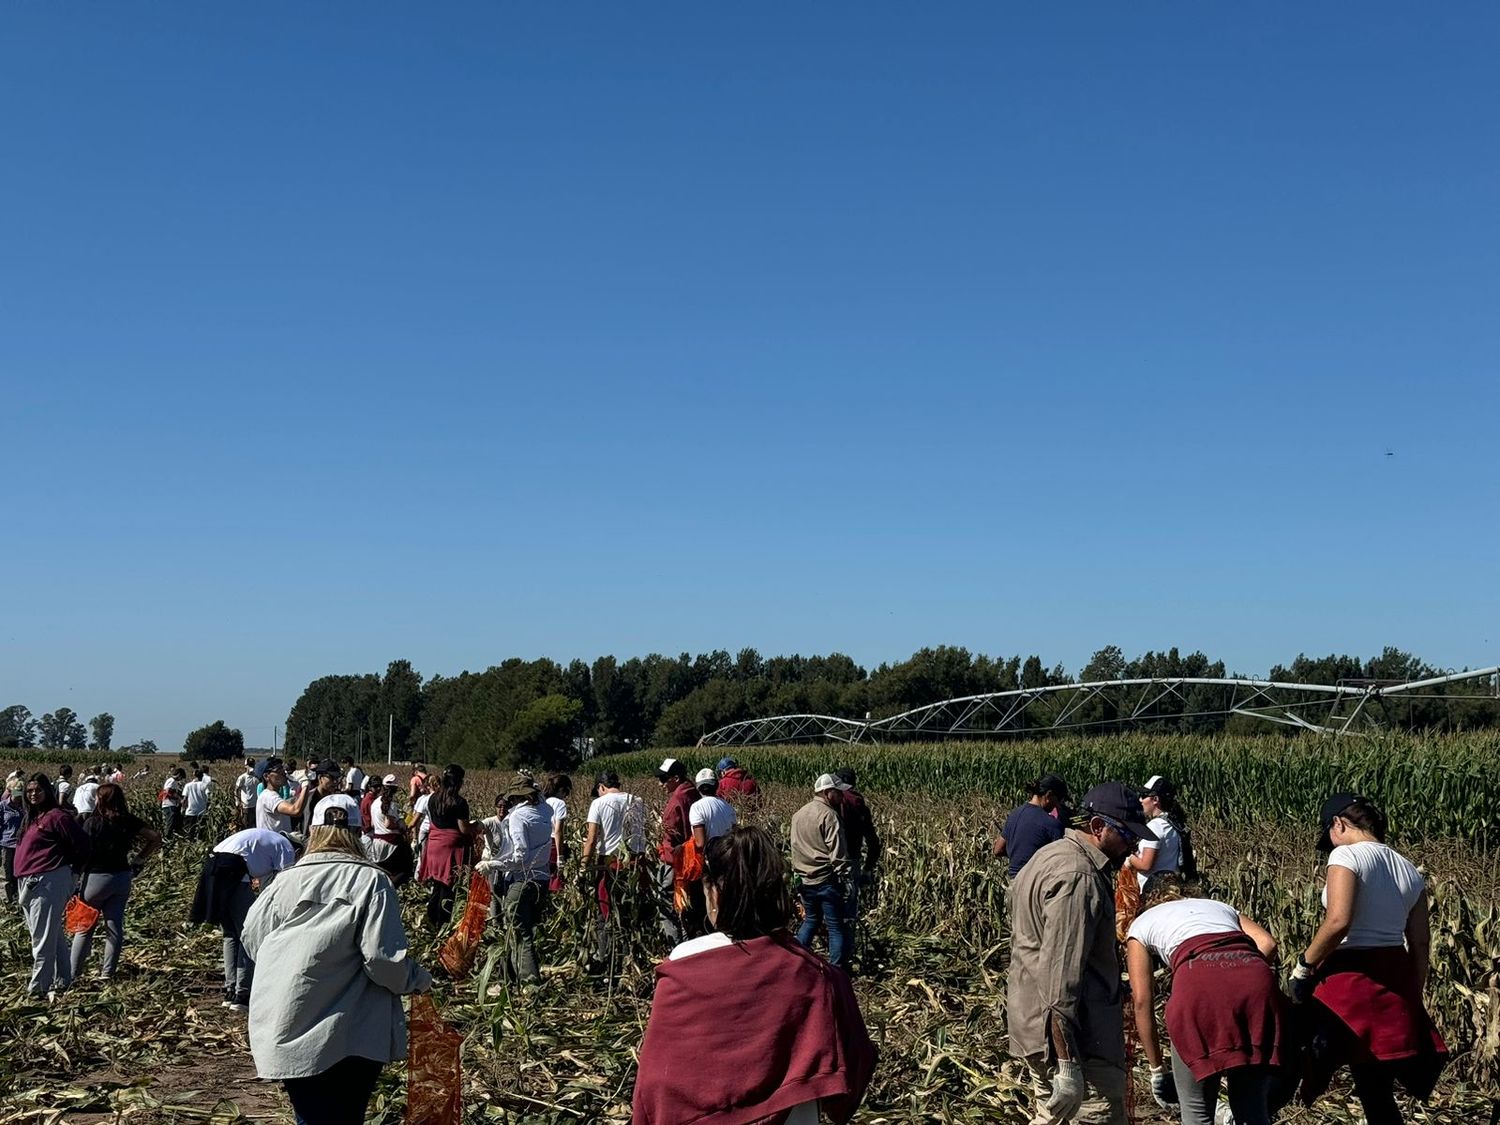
(1121, 867)
(1104, 897)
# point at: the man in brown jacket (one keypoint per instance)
(1063, 994)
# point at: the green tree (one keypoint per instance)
(397, 711)
(542, 732)
(214, 742)
(17, 727)
(103, 726)
(61, 730)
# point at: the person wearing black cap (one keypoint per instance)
(1034, 824)
(1063, 997)
(1365, 970)
(325, 779)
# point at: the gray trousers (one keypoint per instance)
(107, 894)
(43, 898)
(1252, 1094)
(239, 970)
(523, 910)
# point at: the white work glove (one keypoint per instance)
(1163, 1086)
(1067, 1091)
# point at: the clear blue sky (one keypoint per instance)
(334, 333)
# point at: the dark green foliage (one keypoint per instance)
(103, 726)
(17, 728)
(214, 742)
(499, 717)
(61, 730)
(542, 732)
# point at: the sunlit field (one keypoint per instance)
(156, 1046)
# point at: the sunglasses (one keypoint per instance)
(1119, 826)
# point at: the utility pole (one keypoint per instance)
(390, 735)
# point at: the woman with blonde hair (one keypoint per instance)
(330, 1017)
(1226, 1015)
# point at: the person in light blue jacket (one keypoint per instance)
(326, 1012)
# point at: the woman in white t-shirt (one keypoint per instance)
(1367, 966)
(557, 790)
(1171, 851)
(1226, 1016)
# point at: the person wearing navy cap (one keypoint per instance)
(1363, 975)
(1064, 999)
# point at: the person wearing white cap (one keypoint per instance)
(1171, 851)
(820, 857)
(385, 833)
(330, 1017)
(711, 816)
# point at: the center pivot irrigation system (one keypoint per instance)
(1343, 708)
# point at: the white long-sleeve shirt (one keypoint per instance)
(333, 965)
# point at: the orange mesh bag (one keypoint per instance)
(434, 1074)
(462, 947)
(687, 868)
(1127, 902)
(78, 917)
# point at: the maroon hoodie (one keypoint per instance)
(735, 782)
(788, 1032)
(676, 829)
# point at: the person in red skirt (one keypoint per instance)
(1226, 1016)
(1363, 974)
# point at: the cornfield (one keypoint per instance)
(155, 1046)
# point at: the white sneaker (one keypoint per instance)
(1223, 1115)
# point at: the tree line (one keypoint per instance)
(541, 712)
(56, 730)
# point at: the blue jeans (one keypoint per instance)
(824, 903)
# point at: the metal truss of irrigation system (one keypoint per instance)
(1327, 709)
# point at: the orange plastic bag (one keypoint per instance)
(434, 1073)
(462, 947)
(78, 917)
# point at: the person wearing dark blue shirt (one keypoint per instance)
(1035, 824)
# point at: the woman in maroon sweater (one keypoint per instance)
(781, 1024)
(51, 847)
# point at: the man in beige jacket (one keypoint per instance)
(1063, 996)
(820, 857)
